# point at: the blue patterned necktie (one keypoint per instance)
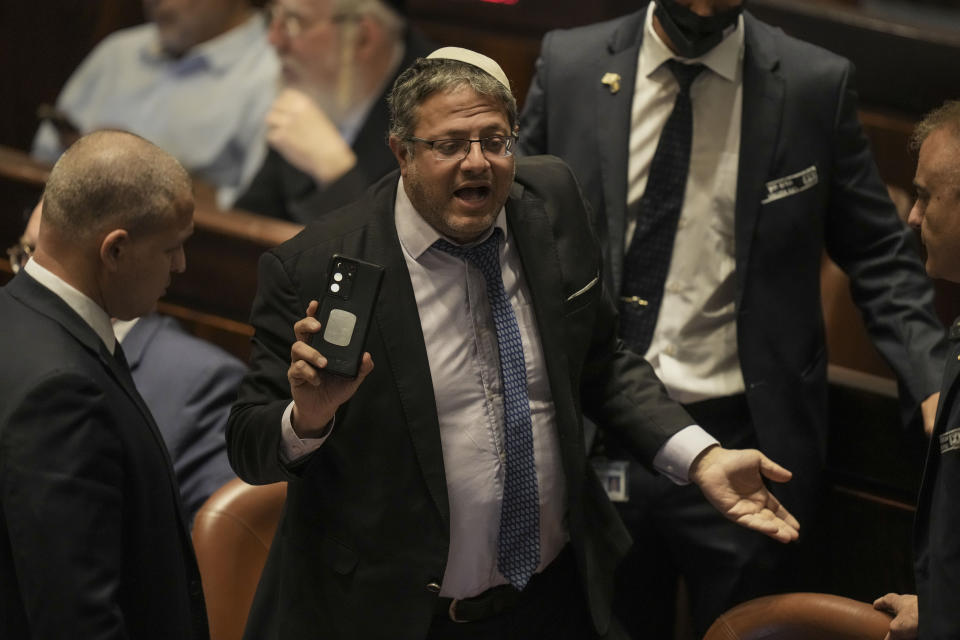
(647, 261)
(518, 542)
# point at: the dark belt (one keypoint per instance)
(491, 602)
(497, 600)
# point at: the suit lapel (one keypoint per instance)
(763, 92)
(398, 323)
(613, 131)
(542, 271)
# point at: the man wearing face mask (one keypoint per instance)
(721, 157)
(328, 127)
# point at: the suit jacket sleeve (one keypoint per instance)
(63, 476)
(868, 241)
(202, 466)
(253, 429)
(265, 193)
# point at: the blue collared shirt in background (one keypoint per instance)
(206, 108)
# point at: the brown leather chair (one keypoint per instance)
(800, 616)
(232, 532)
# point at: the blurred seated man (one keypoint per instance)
(197, 80)
(188, 385)
(933, 612)
(328, 128)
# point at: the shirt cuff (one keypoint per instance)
(292, 446)
(678, 453)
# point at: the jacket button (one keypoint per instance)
(433, 587)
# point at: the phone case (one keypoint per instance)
(346, 307)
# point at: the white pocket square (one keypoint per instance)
(792, 184)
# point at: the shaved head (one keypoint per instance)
(113, 179)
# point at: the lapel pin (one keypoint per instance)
(612, 80)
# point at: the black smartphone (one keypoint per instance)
(345, 311)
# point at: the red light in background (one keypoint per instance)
(500, 1)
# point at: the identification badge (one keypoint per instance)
(789, 185)
(949, 441)
(613, 477)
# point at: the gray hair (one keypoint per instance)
(393, 23)
(113, 179)
(427, 76)
(946, 115)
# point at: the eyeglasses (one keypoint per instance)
(293, 24)
(19, 254)
(459, 148)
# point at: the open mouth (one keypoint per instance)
(472, 195)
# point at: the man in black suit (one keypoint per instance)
(328, 127)
(933, 612)
(779, 171)
(93, 541)
(403, 510)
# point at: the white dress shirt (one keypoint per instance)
(694, 346)
(91, 313)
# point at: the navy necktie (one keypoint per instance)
(518, 542)
(647, 261)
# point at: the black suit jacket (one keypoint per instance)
(280, 190)
(93, 542)
(366, 527)
(799, 111)
(937, 545)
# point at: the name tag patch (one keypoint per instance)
(950, 441)
(613, 477)
(789, 185)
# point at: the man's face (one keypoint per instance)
(146, 263)
(936, 212)
(307, 40)
(458, 198)
(183, 24)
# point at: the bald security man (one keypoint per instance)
(93, 541)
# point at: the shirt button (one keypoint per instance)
(433, 587)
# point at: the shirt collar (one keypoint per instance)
(416, 234)
(217, 54)
(122, 327)
(91, 313)
(724, 59)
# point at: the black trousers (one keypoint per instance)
(552, 607)
(677, 532)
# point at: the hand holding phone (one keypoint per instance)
(346, 310)
(317, 395)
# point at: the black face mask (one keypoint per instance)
(693, 35)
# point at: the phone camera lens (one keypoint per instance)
(338, 276)
(334, 287)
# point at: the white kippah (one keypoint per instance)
(476, 59)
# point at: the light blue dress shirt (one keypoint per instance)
(207, 108)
